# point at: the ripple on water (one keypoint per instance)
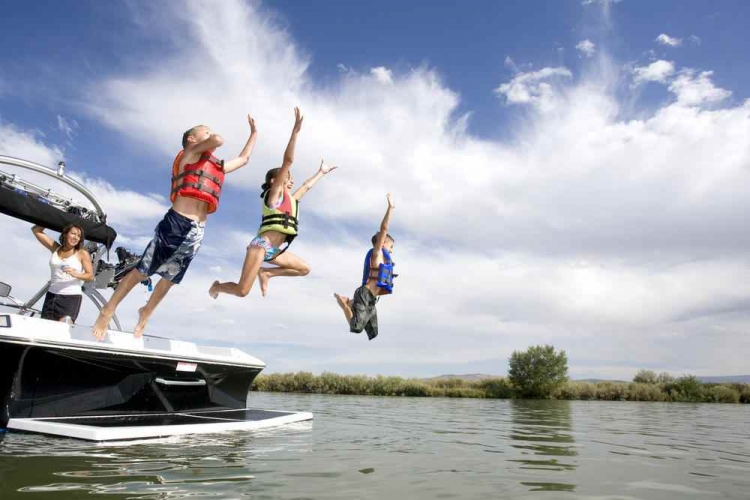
(360, 447)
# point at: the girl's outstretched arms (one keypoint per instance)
(309, 183)
(278, 184)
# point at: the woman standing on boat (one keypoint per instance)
(70, 265)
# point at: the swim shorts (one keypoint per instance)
(176, 242)
(364, 314)
(271, 251)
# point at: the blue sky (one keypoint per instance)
(606, 141)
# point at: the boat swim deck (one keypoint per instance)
(155, 425)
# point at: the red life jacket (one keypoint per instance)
(201, 180)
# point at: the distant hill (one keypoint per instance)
(744, 379)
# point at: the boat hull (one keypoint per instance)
(48, 371)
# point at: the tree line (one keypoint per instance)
(540, 372)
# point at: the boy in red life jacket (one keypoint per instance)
(197, 178)
(377, 280)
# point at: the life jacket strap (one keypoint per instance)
(199, 187)
(201, 175)
(212, 159)
(289, 240)
(286, 220)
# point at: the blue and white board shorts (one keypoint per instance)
(176, 242)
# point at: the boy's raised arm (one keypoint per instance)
(384, 225)
(212, 142)
(244, 155)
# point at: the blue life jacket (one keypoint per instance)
(383, 273)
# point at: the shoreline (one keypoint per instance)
(683, 389)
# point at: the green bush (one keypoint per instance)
(568, 390)
(611, 391)
(664, 378)
(414, 389)
(744, 390)
(644, 392)
(645, 377)
(538, 371)
(463, 392)
(686, 388)
(722, 394)
(495, 388)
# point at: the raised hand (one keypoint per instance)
(297, 120)
(391, 203)
(325, 168)
(251, 122)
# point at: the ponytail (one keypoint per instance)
(266, 186)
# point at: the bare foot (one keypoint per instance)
(343, 301)
(100, 326)
(213, 292)
(142, 320)
(263, 277)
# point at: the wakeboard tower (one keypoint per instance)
(30, 202)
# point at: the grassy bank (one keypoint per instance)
(685, 389)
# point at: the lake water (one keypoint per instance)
(408, 448)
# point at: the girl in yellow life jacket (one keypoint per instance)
(279, 226)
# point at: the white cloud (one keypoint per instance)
(657, 71)
(695, 40)
(692, 90)
(381, 74)
(532, 87)
(667, 40)
(66, 126)
(125, 208)
(586, 47)
(510, 63)
(620, 239)
(27, 145)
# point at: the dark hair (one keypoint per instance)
(65, 232)
(387, 237)
(188, 133)
(270, 175)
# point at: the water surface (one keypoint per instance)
(406, 448)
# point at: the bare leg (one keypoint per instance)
(288, 265)
(144, 313)
(253, 260)
(128, 282)
(344, 305)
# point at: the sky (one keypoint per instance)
(571, 173)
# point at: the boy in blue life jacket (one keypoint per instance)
(377, 280)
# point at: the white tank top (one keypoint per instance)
(63, 283)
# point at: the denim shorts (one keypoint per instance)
(176, 242)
